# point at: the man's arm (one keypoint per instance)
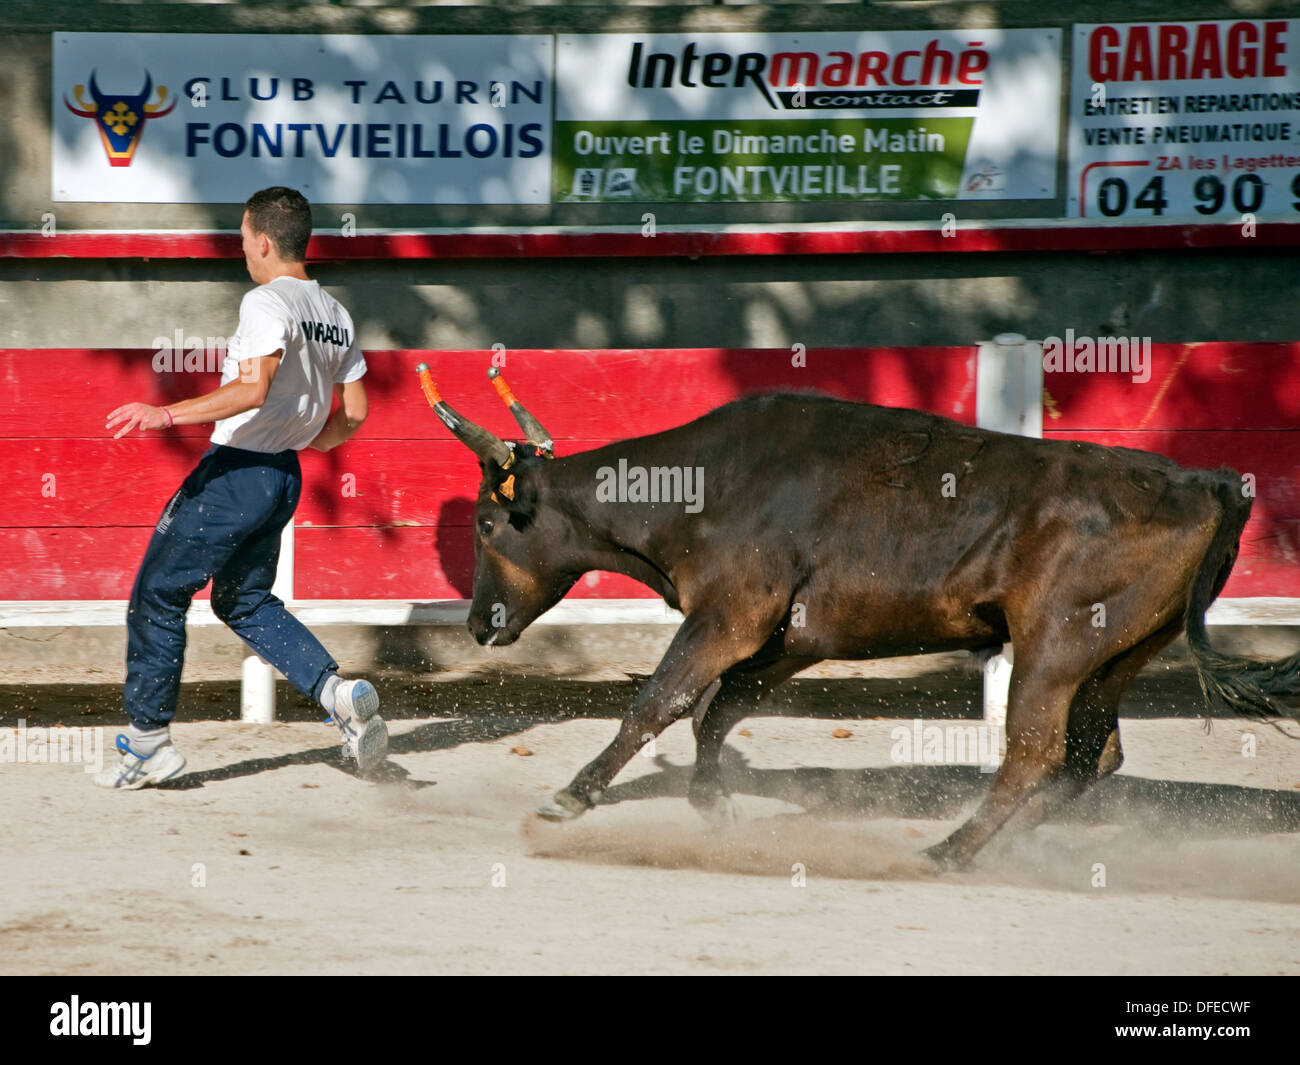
(347, 417)
(247, 392)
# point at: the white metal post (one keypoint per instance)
(1009, 385)
(257, 688)
(997, 688)
(1008, 399)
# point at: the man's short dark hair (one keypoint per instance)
(284, 216)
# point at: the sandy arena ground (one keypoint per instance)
(270, 856)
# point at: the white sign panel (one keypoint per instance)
(906, 115)
(211, 118)
(1195, 120)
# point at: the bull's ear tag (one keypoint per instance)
(507, 487)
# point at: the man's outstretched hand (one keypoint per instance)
(137, 416)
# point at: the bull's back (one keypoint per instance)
(864, 465)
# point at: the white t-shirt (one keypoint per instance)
(320, 351)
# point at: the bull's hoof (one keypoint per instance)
(1112, 756)
(564, 807)
(717, 808)
(943, 857)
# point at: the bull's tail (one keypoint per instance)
(1249, 687)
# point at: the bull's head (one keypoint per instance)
(516, 529)
(120, 117)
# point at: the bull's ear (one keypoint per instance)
(514, 489)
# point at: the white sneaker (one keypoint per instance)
(140, 771)
(365, 736)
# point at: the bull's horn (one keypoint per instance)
(484, 444)
(94, 87)
(533, 430)
(148, 86)
(88, 110)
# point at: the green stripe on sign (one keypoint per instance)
(763, 160)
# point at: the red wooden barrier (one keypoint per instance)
(389, 514)
(1207, 405)
(1191, 386)
(886, 239)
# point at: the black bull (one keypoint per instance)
(836, 530)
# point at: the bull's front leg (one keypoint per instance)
(703, 649)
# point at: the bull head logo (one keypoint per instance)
(120, 118)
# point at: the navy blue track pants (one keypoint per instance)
(223, 525)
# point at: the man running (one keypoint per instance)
(294, 350)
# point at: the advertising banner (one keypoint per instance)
(1194, 120)
(210, 118)
(902, 116)
(1164, 124)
